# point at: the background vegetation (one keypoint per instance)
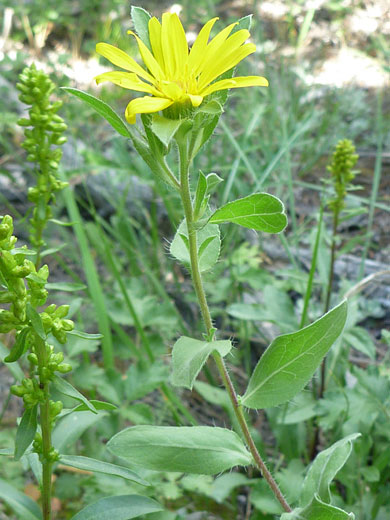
(328, 64)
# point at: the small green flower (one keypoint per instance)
(343, 160)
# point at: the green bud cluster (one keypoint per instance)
(54, 322)
(343, 160)
(53, 454)
(43, 130)
(54, 363)
(29, 390)
(22, 287)
(15, 269)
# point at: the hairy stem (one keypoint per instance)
(202, 300)
(44, 408)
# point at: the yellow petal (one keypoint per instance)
(225, 64)
(172, 90)
(237, 82)
(169, 59)
(148, 58)
(179, 43)
(174, 45)
(121, 59)
(195, 100)
(126, 80)
(198, 48)
(145, 105)
(212, 48)
(155, 40)
(223, 52)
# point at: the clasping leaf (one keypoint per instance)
(208, 241)
(189, 355)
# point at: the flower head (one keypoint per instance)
(174, 74)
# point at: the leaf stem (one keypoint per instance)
(202, 300)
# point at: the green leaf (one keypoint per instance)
(189, 355)
(7, 452)
(317, 510)
(98, 466)
(19, 347)
(101, 108)
(52, 250)
(85, 335)
(204, 246)
(65, 286)
(35, 464)
(188, 449)
(99, 405)
(301, 408)
(122, 507)
(14, 368)
(23, 505)
(61, 222)
(324, 468)
(70, 428)
(210, 254)
(23, 251)
(224, 485)
(371, 473)
(291, 360)
(151, 159)
(62, 386)
(140, 19)
(261, 211)
(243, 23)
(26, 431)
(36, 321)
(361, 340)
(165, 128)
(200, 194)
(212, 182)
(35, 278)
(213, 107)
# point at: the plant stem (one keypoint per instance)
(46, 431)
(329, 293)
(202, 300)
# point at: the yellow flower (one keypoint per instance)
(174, 73)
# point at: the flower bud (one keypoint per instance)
(64, 368)
(19, 391)
(33, 359)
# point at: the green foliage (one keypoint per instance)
(118, 508)
(98, 466)
(260, 211)
(26, 431)
(101, 108)
(189, 355)
(21, 503)
(208, 241)
(198, 449)
(140, 19)
(291, 360)
(324, 468)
